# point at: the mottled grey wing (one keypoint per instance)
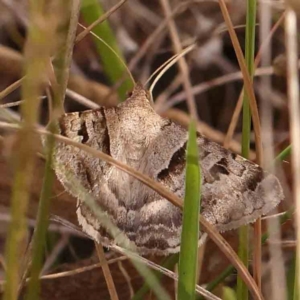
(235, 191)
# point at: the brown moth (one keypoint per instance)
(235, 191)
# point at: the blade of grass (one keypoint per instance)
(229, 294)
(37, 53)
(63, 60)
(105, 16)
(91, 10)
(284, 154)
(188, 257)
(243, 251)
(39, 236)
(249, 58)
(114, 52)
(290, 280)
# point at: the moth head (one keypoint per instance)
(136, 116)
(140, 94)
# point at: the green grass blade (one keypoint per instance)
(68, 24)
(188, 257)
(91, 10)
(243, 251)
(228, 294)
(39, 236)
(284, 154)
(36, 58)
(290, 280)
(296, 293)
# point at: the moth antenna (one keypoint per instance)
(160, 67)
(114, 52)
(164, 67)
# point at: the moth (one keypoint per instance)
(235, 191)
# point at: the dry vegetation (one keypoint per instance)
(208, 82)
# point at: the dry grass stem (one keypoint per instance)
(200, 290)
(264, 56)
(81, 270)
(11, 88)
(237, 111)
(106, 271)
(247, 80)
(181, 61)
(127, 278)
(206, 86)
(294, 110)
(56, 251)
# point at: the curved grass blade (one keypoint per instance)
(284, 154)
(188, 257)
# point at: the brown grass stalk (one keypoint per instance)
(106, 271)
